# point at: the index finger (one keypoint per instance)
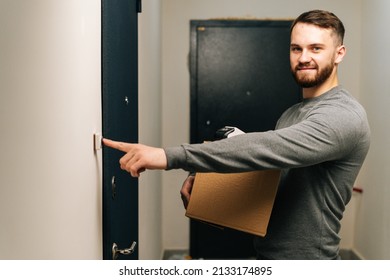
(121, 146)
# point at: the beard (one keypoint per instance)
(308, 81)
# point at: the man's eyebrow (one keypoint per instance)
(311, 45)
(294, 45)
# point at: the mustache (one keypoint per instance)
(301, 66)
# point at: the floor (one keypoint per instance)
(184, 255)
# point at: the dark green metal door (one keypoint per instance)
(240, 76)
(120, 122)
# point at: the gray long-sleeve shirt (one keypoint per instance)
(320, 145)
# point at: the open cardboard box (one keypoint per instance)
(242, 201)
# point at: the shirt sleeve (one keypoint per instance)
(318, 138)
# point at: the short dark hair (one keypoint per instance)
(323, 19)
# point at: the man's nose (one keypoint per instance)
(304, 57)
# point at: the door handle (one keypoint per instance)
(128, 251)
(113, 187)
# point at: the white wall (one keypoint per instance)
(50, 188)
(373, 219)
(175, 79)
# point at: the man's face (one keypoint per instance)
(312, 54)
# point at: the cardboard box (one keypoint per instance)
(242, 201)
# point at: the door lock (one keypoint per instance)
(128, 251)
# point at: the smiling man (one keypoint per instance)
(316, 50)
(319, 144)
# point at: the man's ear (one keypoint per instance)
(340, 53)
